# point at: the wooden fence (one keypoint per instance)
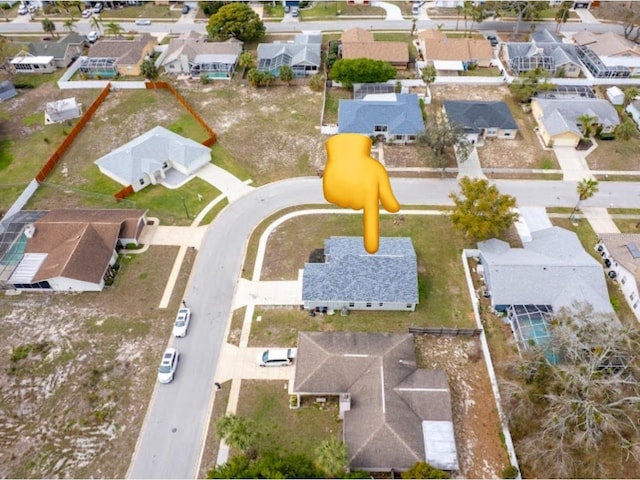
(66, 143)
(124, 193)
(454, 332)
(167, 86)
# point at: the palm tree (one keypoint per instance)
(332, 458)
(69, 24)
(562, 15)
(428, 74)
(587, 122)
(246, 61)
(96, 23)
(459, 10)
(149, 70)
(586, 188)
(286, 74)
(48, 26)
(113, 29)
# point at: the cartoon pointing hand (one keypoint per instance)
(355, 180)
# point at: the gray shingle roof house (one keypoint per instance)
(481, 120)
(144, 160)
(549, 56)
(622, 250)
(193, 55)
(396, 117)
(302, 55)
(64, 51)
(394, 413)
(552, 269)
(558, 118)
(354, 279)
(71, 250)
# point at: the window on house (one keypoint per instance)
(379, 128)
(164, 165)
(632, 296)
(412, 138)
(507, 134)
(409, 305)
(623, 280)
(351, 305)
(380, 304)
(635, 305)
(368, 305)
(141, 181)
(398, 137)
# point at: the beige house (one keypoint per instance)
(119, 57)
(612, 49)
(457, 54)
(359, 43)
(558, 120)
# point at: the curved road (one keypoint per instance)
(173, 434)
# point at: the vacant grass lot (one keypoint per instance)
(270, 133)
(616, 154)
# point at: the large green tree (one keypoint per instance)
(530, 83)
(480, 210)
(445, 139)
(576, 397)
(361, 70)
(236, 20)
(113, 29)
(269, 464)
(423, 470)
(286, 74)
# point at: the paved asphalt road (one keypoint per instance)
(174, 431)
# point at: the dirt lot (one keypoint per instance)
(475, 417)
(78, 371)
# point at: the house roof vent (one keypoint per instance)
(29, 230)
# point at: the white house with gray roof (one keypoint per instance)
(303, 55)
(193, 55)
(553, 269)
(394, 413)
(145, 160)
(353, 279)
(621, 255)
(558, 119)
(549, 56)
(395, 117)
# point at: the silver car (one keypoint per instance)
(181, 325)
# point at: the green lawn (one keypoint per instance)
(280, 428)
(332, 102)
(328, 10)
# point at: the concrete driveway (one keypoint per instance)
(393, 11)
(573, 164)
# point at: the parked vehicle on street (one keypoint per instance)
(143, 22)
(185, 9)
(181, 325)
(168, 365)
(23, 10)
(276, 357)
(93, 36)
(98, 7)
(86, 13)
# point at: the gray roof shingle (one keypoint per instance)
(390, 397)
(552, 269)
(350, 274)
(475, 116)
(560, 115)
(402, 116)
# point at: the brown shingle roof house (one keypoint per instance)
(359, 43)
(435, 46)
(127, 54)
(74, 249)
(395, 414)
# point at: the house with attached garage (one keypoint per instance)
(352, 279)
(481, 120)
(359, 43)
(303, 55)
(110, 58)
(558, 119)
(552, 272)
(621, 255)
(65, 250)
(394, 413)
(193, 55)
(145, 160)
(395, 118)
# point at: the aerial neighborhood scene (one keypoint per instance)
(320, 239)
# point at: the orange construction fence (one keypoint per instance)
(66, 143)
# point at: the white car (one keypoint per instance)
(86, 13)
(93, 36)
(181, 325)
(23, 10)
(168, 365)
(143, 21)
(276, 357)
(97, 8)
